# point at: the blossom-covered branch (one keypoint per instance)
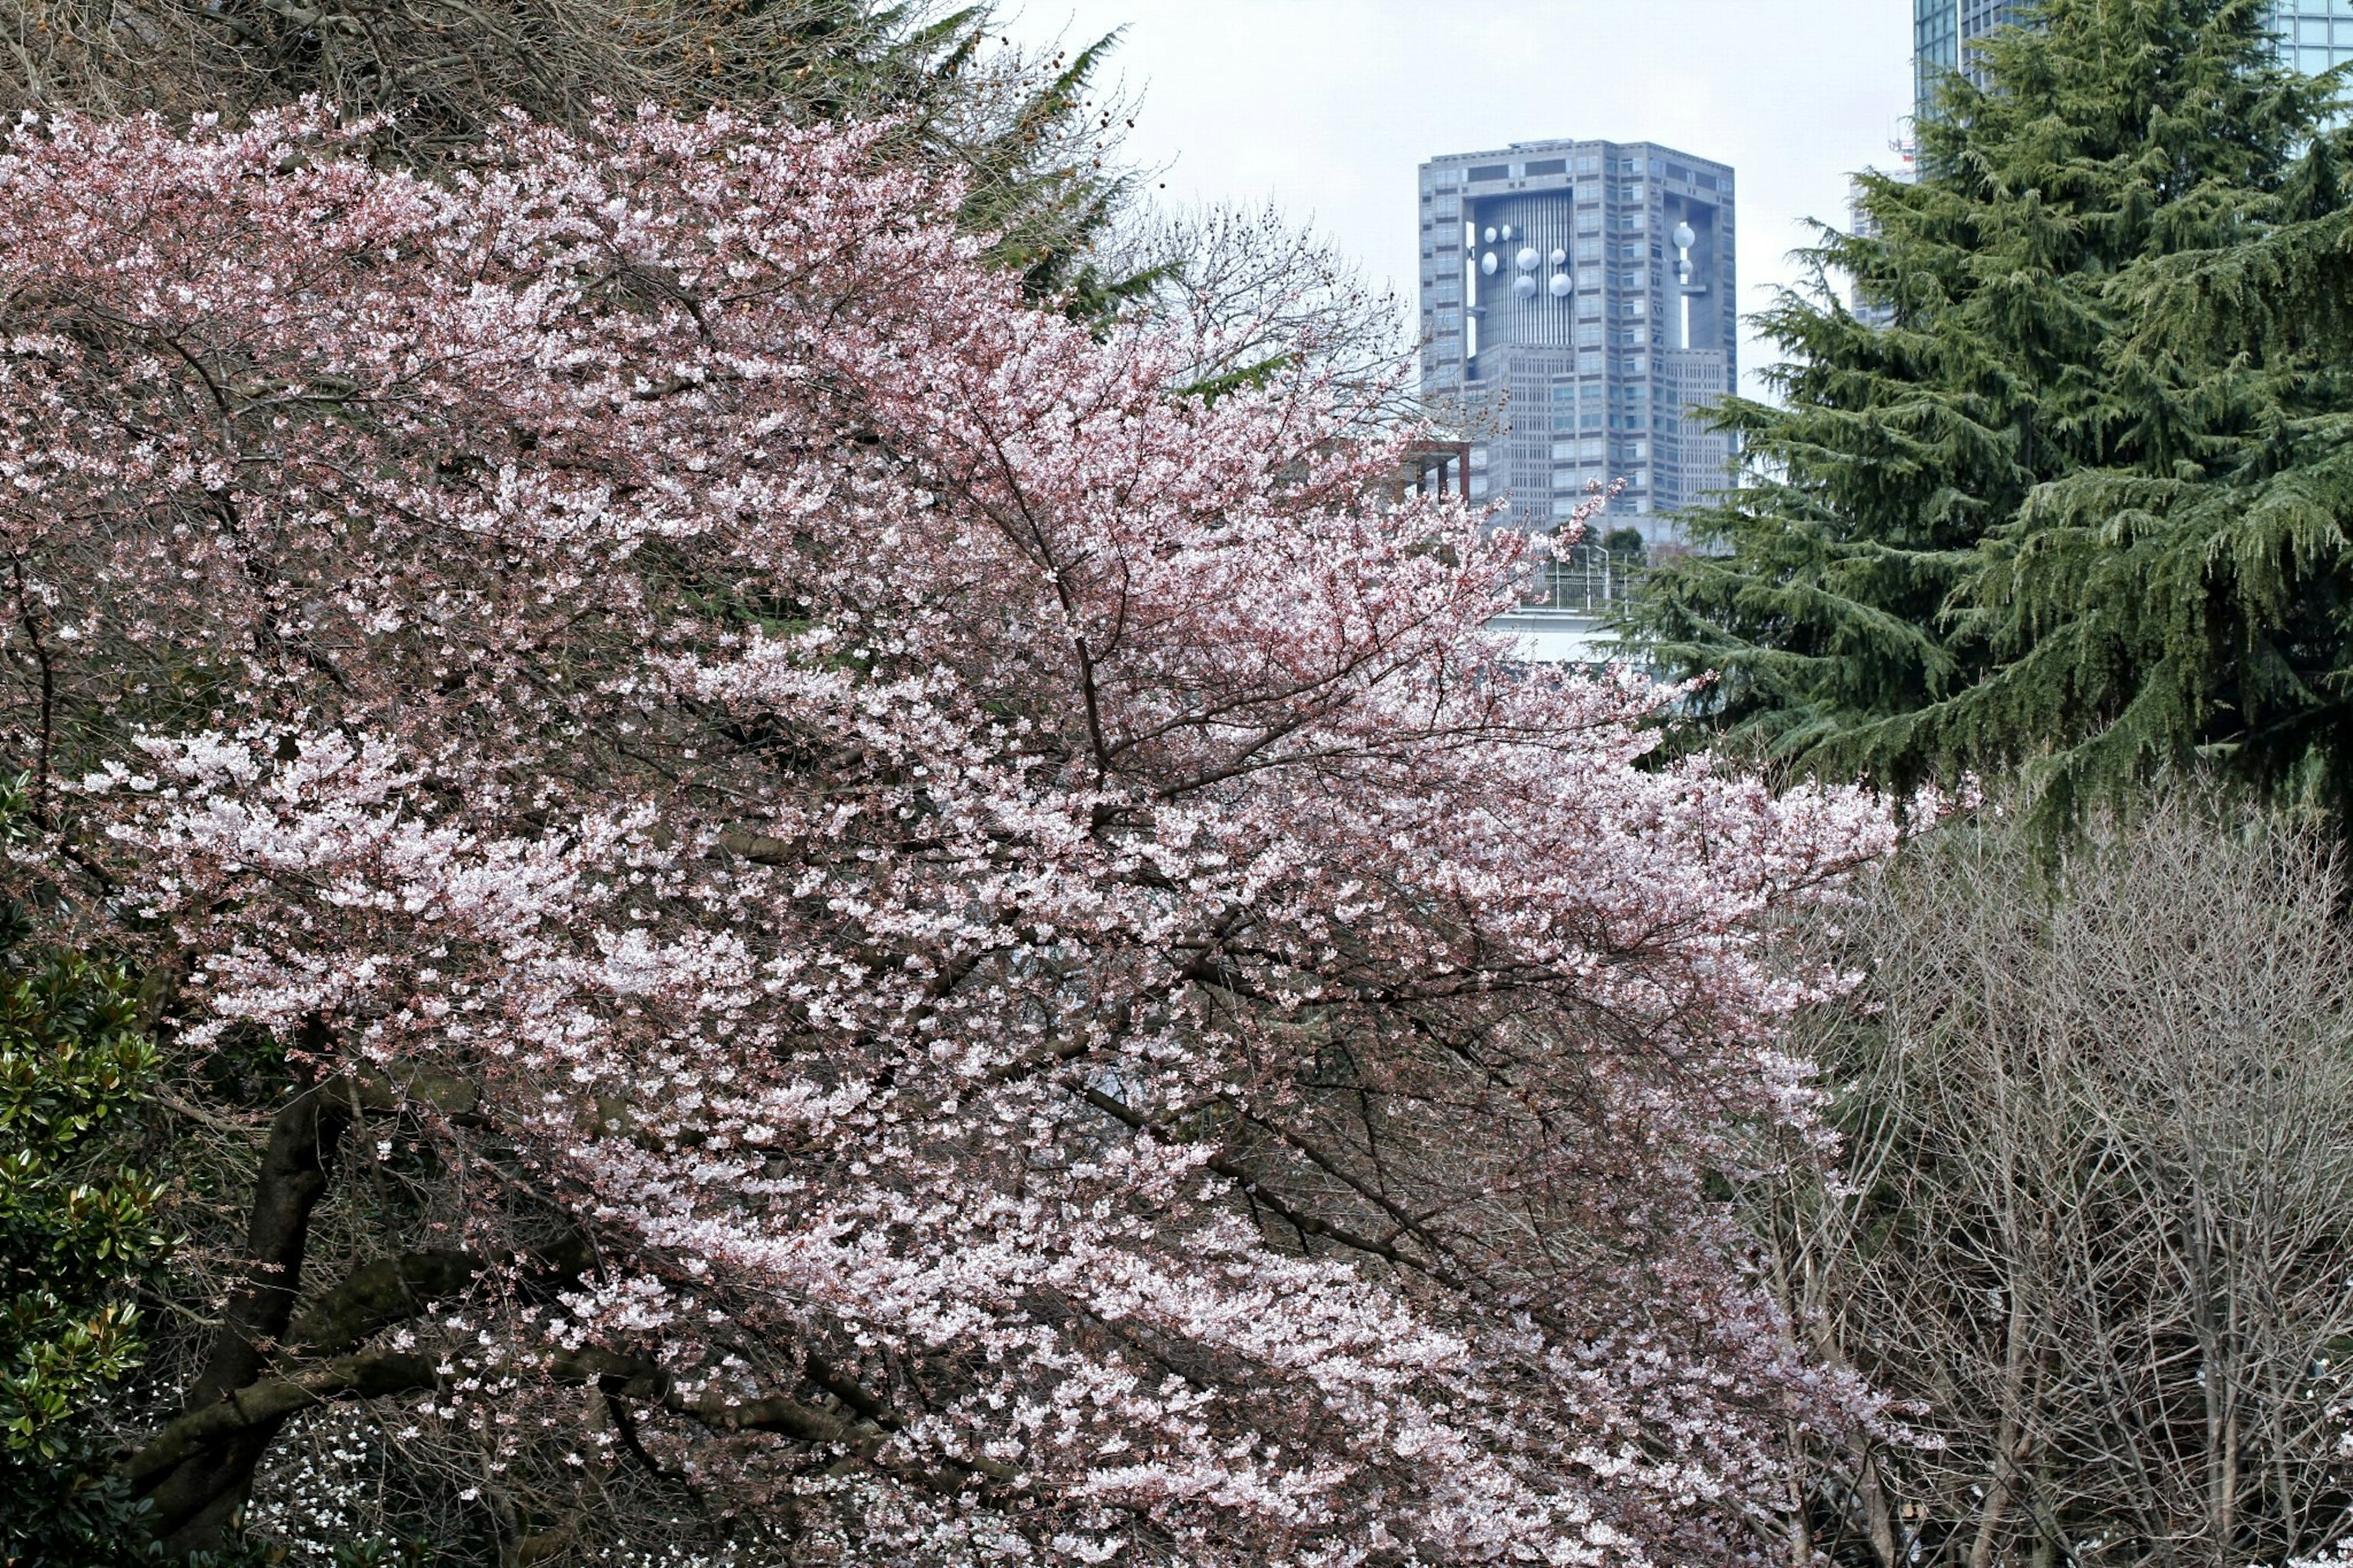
(1020, 912)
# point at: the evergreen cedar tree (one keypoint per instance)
(989, 954)
(2081, 502)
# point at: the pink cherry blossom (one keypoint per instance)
(1020, 910)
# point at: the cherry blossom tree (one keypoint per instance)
(948, 954)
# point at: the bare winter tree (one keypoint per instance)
(1259, 294)
(2092, 1215)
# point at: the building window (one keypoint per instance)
(1588, 362)
(1589, 250)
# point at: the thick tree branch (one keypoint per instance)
(193, 1501)
(389, 1290)
(376, 1295)
(264, 1406)
(304, 1138)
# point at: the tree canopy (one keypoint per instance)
(2073, 495)
(819, 921)
(1026, 137)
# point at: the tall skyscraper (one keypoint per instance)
(1579, 299)
(2314, 35)
(1942, 32)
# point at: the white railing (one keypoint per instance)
(1585, 581)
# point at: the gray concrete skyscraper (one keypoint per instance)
(1579, 299)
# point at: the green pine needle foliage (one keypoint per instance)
(2078, 503)
(1040, 185)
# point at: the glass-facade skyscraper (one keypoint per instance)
(1942, 31)
(1579, 303)
(2314, 35)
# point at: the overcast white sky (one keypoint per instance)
(1326, 106)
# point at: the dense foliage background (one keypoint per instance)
(2072, 495)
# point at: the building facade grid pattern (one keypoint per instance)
(1942, 33)
(2313, 36)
